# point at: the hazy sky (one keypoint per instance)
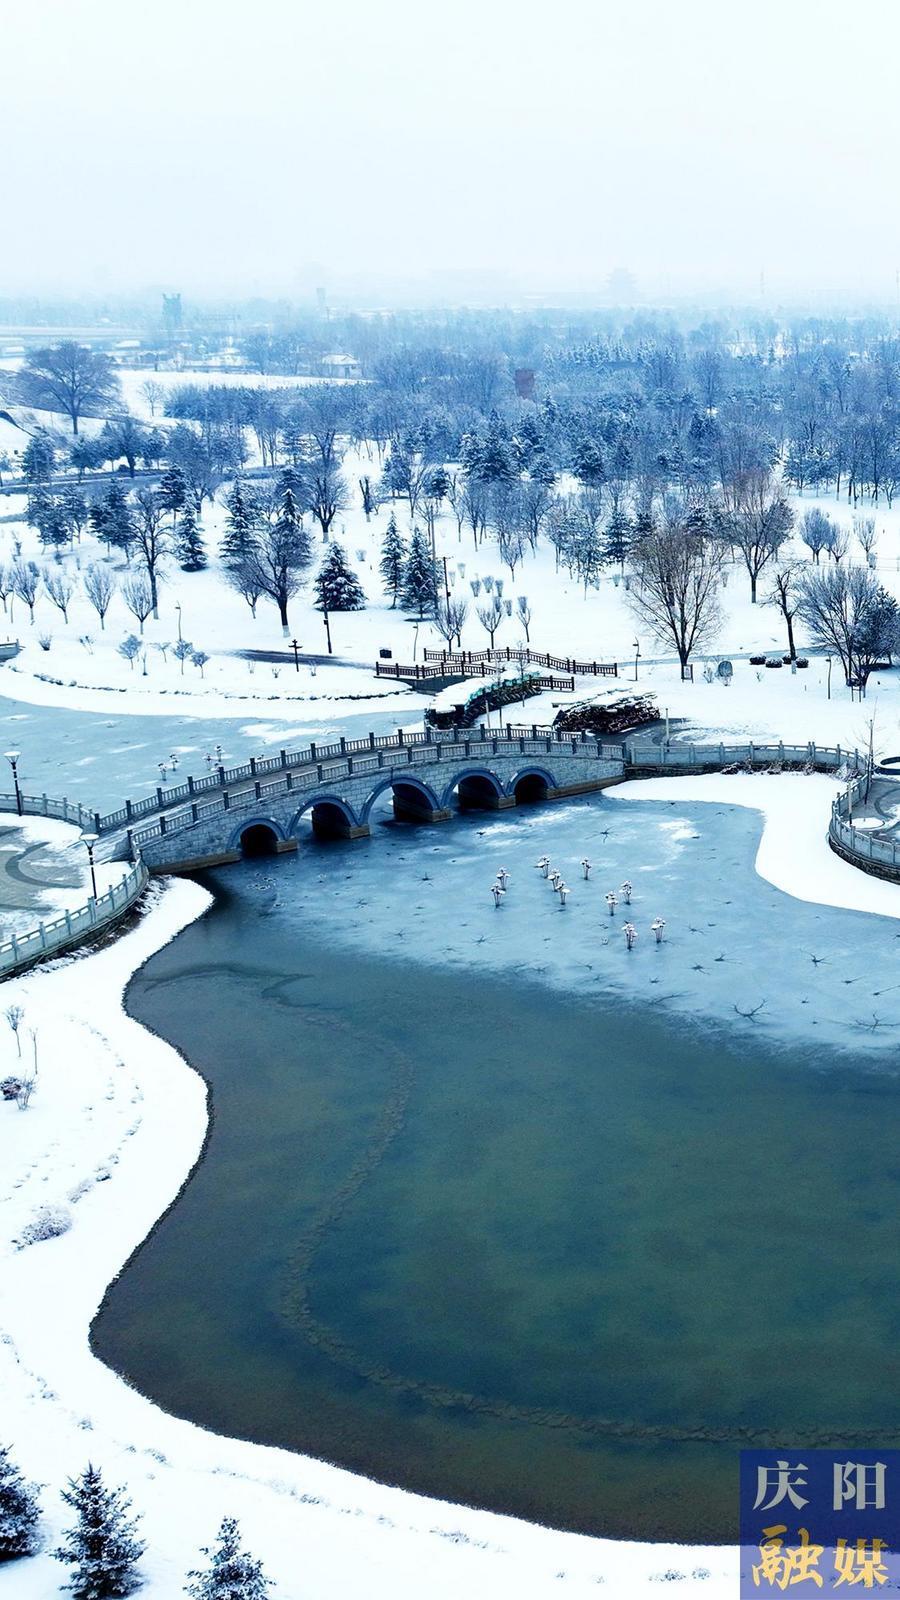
(269, 145)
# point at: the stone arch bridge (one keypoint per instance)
(264, 805)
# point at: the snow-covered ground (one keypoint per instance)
(44, 870)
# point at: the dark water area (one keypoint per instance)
(550, 1253)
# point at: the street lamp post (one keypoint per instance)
(89, 840)
(296, 649)
(178, 609)
(12, 757)
(637, 657)
(327, 628)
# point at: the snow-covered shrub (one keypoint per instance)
(802, 661)
(774, 662)
(48, 1222)
(11, 1088)
(757, 661)
(45, 640)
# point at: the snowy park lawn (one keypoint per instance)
(44, 871)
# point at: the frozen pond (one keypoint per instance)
(495, 1209)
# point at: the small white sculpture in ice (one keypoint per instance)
(656, 928)
(555, 877)
(612, 902)
(563, 891)
(630, 932)
(543, 866)
(503, 878)
(586, 867)
(625, 892)
(498, 891)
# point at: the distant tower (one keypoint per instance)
(171, 310)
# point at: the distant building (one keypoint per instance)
(171, 310)
(341, 366)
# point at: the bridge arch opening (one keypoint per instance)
(412, 801)
(477, 791)
(328, 818)
(259, 839)
(531, 788)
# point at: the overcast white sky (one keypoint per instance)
(269, 145)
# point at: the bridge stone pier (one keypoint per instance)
(428, 777)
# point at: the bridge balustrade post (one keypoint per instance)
(399, 735)
(284, 759)
(288, 781)
(781, 749)
(752, 753)
(312, 752)
(159, 798)
(96, 822)
(381, 758)
(812, 754)
(226, 801)
(409, 755)
(371, 741)
(130, 837)
(257, 790)
(319, 771)
(253, 766)
(162, 825)
(343, 745)
(221, 772)
(193, 811)
(128, 810)
(190, 784)
(349, 766)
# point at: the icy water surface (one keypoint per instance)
(492, 1208)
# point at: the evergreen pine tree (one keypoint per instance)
(190, 549)
(393, 560)
(19, 1511)
(172, 491)
(101, 1547)
(232, 1573)
(618, 538)
(337, 587)
(289, 524)
(419, 588)
(240, 528)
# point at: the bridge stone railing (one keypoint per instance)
(311, 756)
(419, 755)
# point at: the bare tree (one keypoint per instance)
(26, 583)
(864, 528)
(99, 586)
(449, 618)
(785, 596)
(138, 596)
(154, 393)
(756, 521)
(491, 616)
(839, 544)
(846, 612)
(523, 610)
(151, 539)
(817, 531)
(677, 593)
(68, 377)
(327, 494)
(6, 583)
(276, 562)
(60, 588)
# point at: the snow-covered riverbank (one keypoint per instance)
(117, 1123)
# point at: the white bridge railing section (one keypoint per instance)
(73, 926)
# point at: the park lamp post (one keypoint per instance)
(327, 627)
(178, 609)
(296, 649)
(12, 757)
(637, 657)
(89, 840)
